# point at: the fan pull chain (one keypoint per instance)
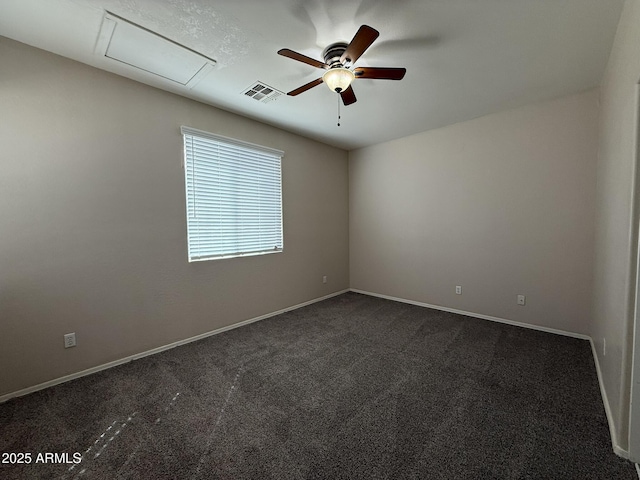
(338, 109)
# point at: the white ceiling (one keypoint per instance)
(464, 58)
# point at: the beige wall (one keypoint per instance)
(614, 257)
(93, 229)
(502, 205)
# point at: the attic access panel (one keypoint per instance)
(137, 47)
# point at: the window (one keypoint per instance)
(234, 197)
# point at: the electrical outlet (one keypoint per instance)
(324, 279)
(521, 300)
(69, 340)
(458, 290)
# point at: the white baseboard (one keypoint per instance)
(478, 315)
(89, 371)
(612, 430)
(605, 400)
(621, 452)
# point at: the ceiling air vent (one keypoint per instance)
(262, 92)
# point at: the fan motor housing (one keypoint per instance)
(333, 52)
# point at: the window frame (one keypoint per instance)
(276, 228)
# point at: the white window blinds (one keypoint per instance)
(234, 197)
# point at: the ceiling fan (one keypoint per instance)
(338, 60)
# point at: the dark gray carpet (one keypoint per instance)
(352, 387)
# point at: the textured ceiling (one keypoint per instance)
(464, 58)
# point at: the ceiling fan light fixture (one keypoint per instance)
(338, 79)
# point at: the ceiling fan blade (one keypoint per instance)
(348, 96)
(380, 73)
(362, 40)
(306, 87)
(285, 52)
